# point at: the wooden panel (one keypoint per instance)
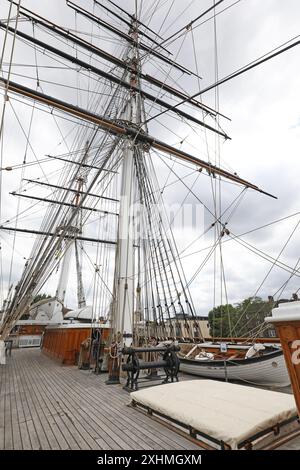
(31, 329)
(289, 334)
(63, 344)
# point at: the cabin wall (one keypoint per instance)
(26, 333)
(31, 329)
(63, 344)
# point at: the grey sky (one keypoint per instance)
(265, 129)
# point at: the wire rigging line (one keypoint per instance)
(188, 26)
(166, 16)
(266, 57)
(276, 294)
(270, 269)
(165, 290)
(18, 203)
(5, 98)
(208, 19)
(233, 237)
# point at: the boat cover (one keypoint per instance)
(224, 411)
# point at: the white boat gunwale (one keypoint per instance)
(237, 362)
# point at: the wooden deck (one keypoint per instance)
(47, 406)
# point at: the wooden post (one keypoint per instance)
(286, 319)
(2, 353)
(113, 365)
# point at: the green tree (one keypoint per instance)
(220, 320)
(39, 297)
(251, 314)
(239, 320)
(36, 299)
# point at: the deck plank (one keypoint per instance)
(2, 404)
(146, 441)
(17, 440)
(136, 420)
(46, 436)
(144, 429)
(8, 433)
(44, 405)
(52, 418)
(107, 413)
(25, 398)
(70, 401)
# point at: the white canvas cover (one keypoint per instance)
(228, 412)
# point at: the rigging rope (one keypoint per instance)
(266, 57)
(269, 271)
(5, 100)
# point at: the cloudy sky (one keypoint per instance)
(263, 106)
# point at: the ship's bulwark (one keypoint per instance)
(62, 343)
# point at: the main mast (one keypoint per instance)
(121, 129)
(124, 287)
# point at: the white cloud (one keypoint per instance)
(263, 105)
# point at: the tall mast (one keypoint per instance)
(77, 228)
(64, 229)
(80, 289)
(64, 274)
(81, 183)
(122, 321)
